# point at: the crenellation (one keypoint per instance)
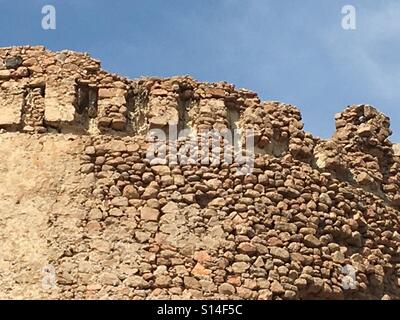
(116, 222)
(361, 147)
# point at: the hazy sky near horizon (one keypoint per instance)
(287, 50)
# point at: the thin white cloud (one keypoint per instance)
(366, 47)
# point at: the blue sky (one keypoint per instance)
(287, 50)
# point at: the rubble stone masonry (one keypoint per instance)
(106, 222)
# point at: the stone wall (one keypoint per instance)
(144, 229)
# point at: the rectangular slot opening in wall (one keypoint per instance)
(86, 103)
(233, 116)
(40, 88)
(183, 113)
(86, 100)
(137, 104)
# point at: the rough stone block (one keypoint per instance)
(11, 103)
(111, 92)
(59, 105)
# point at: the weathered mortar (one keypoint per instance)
(145, 230)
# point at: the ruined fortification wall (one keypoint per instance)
(123, 225)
